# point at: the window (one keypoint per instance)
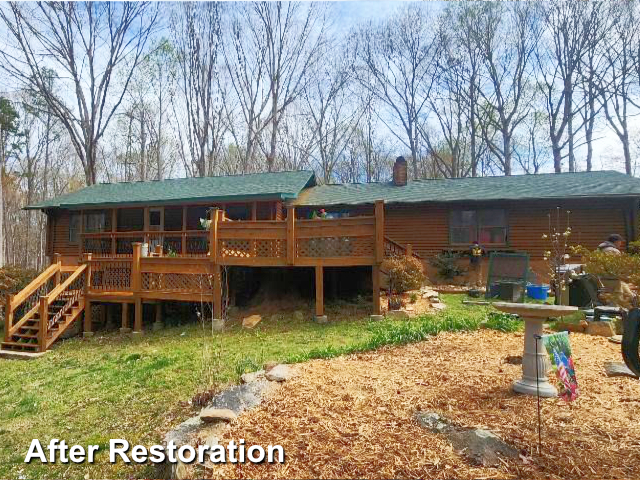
(488, 227)
(95, 222)
(74, 228)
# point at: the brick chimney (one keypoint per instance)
(400, 172)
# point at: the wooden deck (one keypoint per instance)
(187, 266)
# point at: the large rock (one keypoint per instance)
(397, 315)
(603, 329)
(298, 315)
(279, 373)
(480, 446)
(252, 376)
(251, 321)
(211, 414)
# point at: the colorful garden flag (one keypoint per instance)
(559, 351)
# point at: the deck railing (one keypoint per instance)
(341, 241)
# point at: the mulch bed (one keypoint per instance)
(353, 416)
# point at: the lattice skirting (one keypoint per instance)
(116, 277)
(177, 282)
(335, 247)
(262, 248)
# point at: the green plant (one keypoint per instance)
(405, 273)
(634, 247)
(413, 298)
(446, 264)
(503, 322)
(625, 267)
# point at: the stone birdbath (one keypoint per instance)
(534, 316)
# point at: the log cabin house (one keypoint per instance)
(148, 242)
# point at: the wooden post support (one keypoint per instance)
(375, 277)
(379, 212)
(44, 323)
(409, 250)
(8, 316)
(158, 323)
(319, 291)
(217, 292)
(254, 211)
(184, 231)
(125, 318)
(114, 229)
(57, 261)
(87, 280)
(213, 236)
(87, 319)
(291, 235)
(137, 321)
(135, 267)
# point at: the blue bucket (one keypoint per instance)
(538, 292)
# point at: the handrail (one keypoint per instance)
(139, 233)
(401, 247)
(53, 295)
(34, 285)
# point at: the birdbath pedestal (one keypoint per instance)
(535, 362)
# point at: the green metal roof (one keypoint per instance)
(515, 187)
(282, 185)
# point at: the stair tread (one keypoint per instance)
(20, 344)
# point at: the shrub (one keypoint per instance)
(503, 322)
(446, 263)
(13, 279)
(405, 273)
(413, 298)
(625, 267)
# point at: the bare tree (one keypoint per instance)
(86, 43)
(396, 63)
(506, 39)
(196, 30)
(619, 80)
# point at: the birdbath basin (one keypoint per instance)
(535, 362)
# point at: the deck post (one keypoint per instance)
(87, 280)
(57, 261)
(44, 323)
(157, 325)
(213, 236)
(135, 287)
(183, 245)
(375, 277)
(114, 229)
(87, 330)
(291, 235)
(8, 316)
(320, 316)
(409, 250)
(137, 321)
(217, 292)
(379, 239)
(125, 318)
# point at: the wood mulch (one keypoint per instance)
(352, 417)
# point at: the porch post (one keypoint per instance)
(88, 327)
(136, 286)
(409, 250)
(291, 235)
(217, 292)
(137, 321)
(320, 316)
(44, 323)
(87, 319)
(8, 316)
(379, 257)
(114, 229)
(213, 236)
(184, 231)
(379, 238)
(375, 277)
(158, 323)
(58, 262)
(125, 319)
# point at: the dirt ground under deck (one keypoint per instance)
(353, 417)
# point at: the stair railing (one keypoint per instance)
(393, 248)
(73, 288)
(25, 302)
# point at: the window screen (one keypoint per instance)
(488, 227)
(74, 227)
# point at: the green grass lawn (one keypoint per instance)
(89, 391)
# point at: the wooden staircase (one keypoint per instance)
(44, 309)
